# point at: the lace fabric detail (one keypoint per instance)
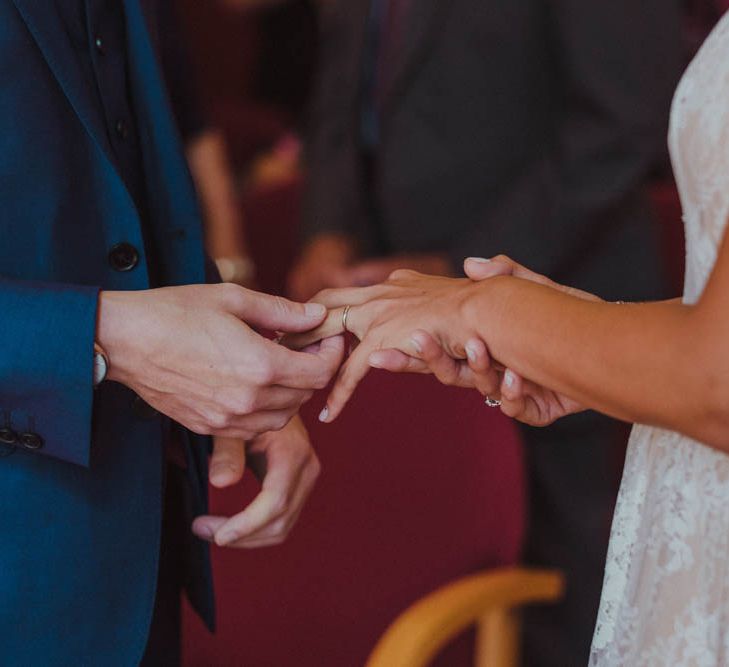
(665, 597)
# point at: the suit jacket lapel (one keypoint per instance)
(423, 21)
(43, 21)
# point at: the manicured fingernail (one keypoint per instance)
(480, 260)
(314, 310)
(471, 352)
(416, 345)
(509, 379)
(324, 414)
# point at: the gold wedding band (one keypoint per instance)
(345, 314)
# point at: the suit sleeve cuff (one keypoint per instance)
(46, 367)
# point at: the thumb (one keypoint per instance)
(228, 462)
(478, 268)
(276, 313)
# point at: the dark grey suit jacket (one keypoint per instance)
(524, 127)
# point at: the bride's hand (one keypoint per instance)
(522, 399)
(385, 316)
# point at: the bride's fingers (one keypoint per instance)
(427, 356)
(358, 321)
(331, 326)
(449, 371)
(349, 296)
(350, 375)
(397, 362)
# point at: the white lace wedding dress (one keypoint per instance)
(665, 599)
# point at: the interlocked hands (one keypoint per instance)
(425, 324)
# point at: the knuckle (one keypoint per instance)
(217, 421)
(281, 306)
(231, 294)
(448, 378)
(264, 372)
(246, 403)
(201, 429)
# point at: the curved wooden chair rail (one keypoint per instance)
(489, 600)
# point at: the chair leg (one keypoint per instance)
(497, 639)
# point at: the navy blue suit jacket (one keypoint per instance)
(79, 518)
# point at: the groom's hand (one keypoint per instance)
(190, 353)
(287, 467)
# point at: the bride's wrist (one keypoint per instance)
(484, 303)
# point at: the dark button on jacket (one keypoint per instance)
(97, 30)
(31, 441)
(123, 257)
(8, 436)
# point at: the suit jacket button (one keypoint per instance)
(31, 440)
(123, 257)
(8, 436)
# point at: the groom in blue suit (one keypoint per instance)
(109, 389)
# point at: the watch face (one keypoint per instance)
(100, 369)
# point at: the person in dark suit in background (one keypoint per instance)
(441, 130)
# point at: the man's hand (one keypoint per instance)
(288, 469)
(323, 264)
(190, 353)
(414, 323)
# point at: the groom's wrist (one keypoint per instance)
(114, 317)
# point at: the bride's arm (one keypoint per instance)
(648, 363)
(664, 364)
